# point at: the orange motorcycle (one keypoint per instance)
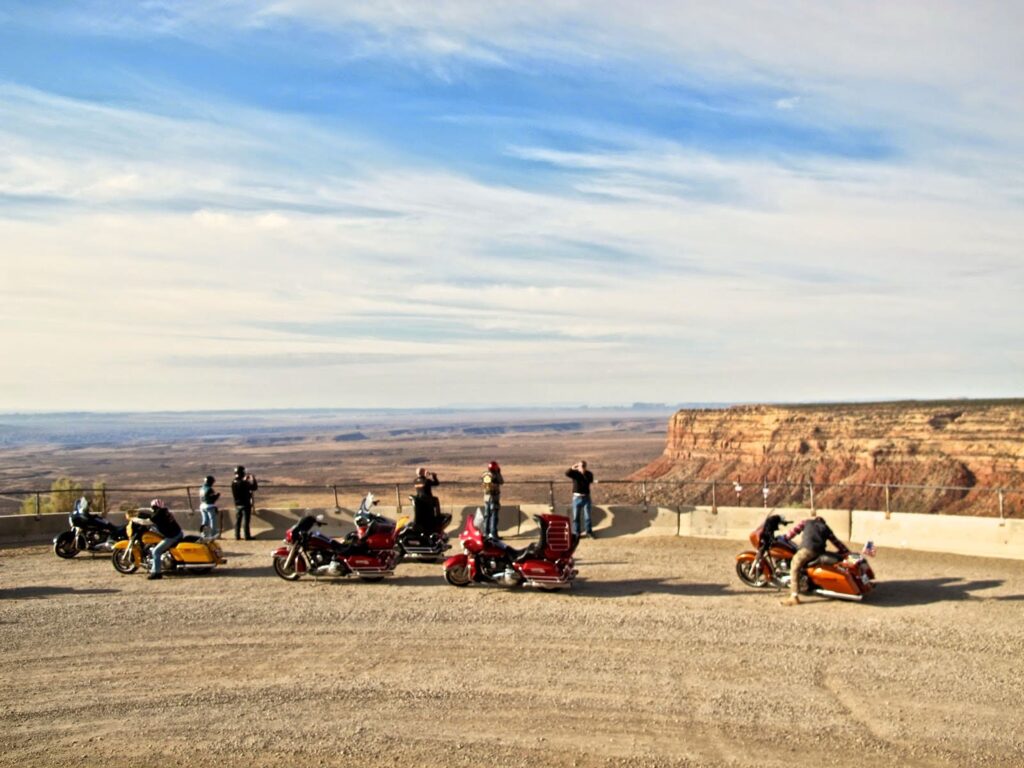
(846, 577)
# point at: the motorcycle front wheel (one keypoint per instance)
(65, 545)
(749, 576)
(457, 575)
(124, 560)
(281, 568)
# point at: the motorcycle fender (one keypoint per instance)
(748, 557)
(122, 544)
(460, 561)
(281, 552)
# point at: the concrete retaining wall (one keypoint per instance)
(978, 536)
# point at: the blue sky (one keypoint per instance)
(302, 204)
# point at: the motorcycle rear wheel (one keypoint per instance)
(124, 561)
(457, 575)
(745, 570)
(65, 545)
(281, 569)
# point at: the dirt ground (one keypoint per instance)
(658, 657)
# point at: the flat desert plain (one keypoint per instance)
(657, 657)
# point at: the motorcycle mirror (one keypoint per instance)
(320, 517)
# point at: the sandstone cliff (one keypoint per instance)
(850, 453)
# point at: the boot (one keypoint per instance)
(791, 600)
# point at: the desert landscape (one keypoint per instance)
(297, 457)
(657, 658)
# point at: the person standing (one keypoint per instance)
(242, 489)
(816, 535)
(209, 524)
(165, 524)
(493, 481)
(582, 478)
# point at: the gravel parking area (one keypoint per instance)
(658, 657)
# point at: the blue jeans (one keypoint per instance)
(162, 547)
(208, 519)
(581, 504)
(491, 507)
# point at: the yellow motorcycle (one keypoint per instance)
(193, 553)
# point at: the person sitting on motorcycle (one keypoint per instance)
(83, 518)
(208, 508)
(165, 524)
(816, 535)
(426, 506)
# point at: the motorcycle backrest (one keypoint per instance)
(555, 535)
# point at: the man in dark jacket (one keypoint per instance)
(427, 507)
(242, 489)
(816, 535)
(165, 524)
(581, 507)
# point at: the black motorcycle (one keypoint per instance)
(423, 538)
(88, 533)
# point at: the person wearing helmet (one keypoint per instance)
(208, 509)
(492, 481)
(162, 519)
(816, 535)
(242, 489)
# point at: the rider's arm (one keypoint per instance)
(843, 549)
(793, 532)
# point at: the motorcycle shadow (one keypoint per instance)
(619, 589)
(902, 593)
(39, 593)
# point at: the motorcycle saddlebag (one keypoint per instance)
(192, 552)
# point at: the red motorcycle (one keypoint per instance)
(368, 552)
(846, 577)
(547, 563)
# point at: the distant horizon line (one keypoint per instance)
(636, 406)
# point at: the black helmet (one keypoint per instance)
(239, 470)
(209, 480)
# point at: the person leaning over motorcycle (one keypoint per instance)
(242, 489)
(816, 534)
(492, 481)
(208, 508)
(165, 524)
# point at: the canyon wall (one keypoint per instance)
(850, 453)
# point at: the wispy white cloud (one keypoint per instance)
(213, 253)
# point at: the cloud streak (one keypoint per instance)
(183, 240)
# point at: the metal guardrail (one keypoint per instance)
(669, 493)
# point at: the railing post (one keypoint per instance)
(337, 506)
(103, 499)
(1001, 497)
(39, 505)
(888, 500)
(714, 497)
(188, 492)
(398, 498)
(810, 487)
(551, 495)
(643, 489)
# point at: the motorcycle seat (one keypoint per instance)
(828, 558)
(192, 539)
